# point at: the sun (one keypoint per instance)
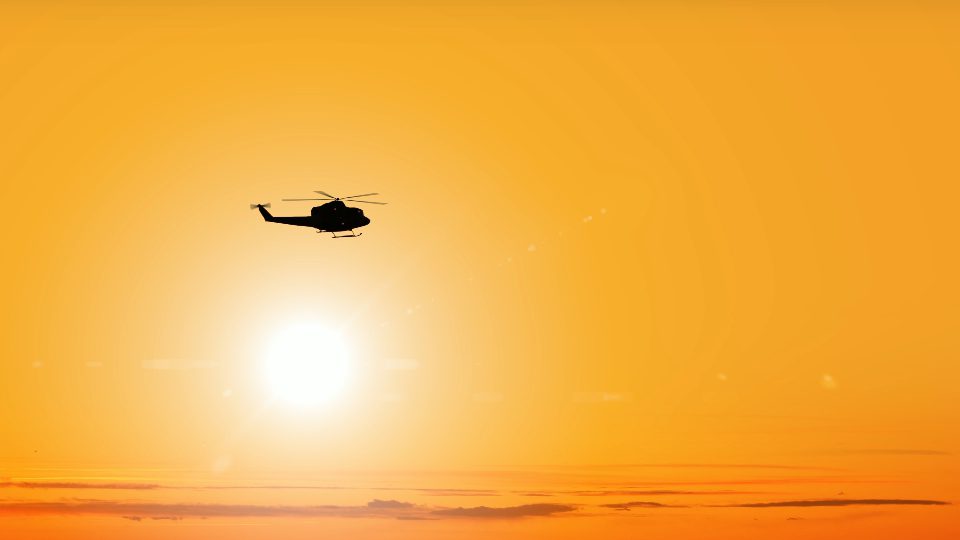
(306, 365)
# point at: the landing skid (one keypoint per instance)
(351, 235)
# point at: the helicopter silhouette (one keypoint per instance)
(332, 217)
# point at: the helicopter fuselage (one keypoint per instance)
(334, 217)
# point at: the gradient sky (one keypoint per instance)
(661, 269)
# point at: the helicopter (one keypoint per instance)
(332, 217)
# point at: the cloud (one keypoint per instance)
(377, 503)
(507, 512)
(639, 504)
(453, 492)
(377, 508)
(761, 481)
(141, 518)
(634, 492)
(78, 485)
(838, 502)
(445, 492)
(140, 510)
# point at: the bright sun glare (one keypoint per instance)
(305, 365)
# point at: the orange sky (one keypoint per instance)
(699, 258)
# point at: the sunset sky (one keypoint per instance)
(662, 270)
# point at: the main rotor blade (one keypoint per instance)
(306, 199)
(325, 194)
(368, 202)
(355, 196)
